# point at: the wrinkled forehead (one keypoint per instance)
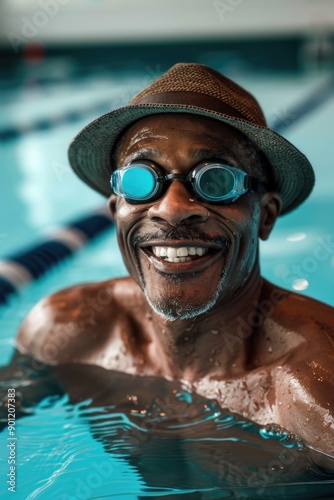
(176, 128)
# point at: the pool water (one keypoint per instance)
(103, 434)
(142, 437)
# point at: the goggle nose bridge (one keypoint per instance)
(187, 179)
(179, 177)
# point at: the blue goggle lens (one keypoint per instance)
(137, 183)
(215, 183)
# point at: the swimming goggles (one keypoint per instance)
(211, 182)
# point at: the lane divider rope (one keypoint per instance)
(19, 269)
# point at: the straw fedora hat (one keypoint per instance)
(199, 90)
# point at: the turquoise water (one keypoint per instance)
(109, 444)
(144, 437)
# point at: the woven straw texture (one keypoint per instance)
(90, 151)
(206, 81)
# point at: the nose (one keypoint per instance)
(178, 207)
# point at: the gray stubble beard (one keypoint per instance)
(174, 309)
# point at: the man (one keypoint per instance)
(194, 178)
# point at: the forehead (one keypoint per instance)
(182, 132)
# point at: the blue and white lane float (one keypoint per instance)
(19, 269)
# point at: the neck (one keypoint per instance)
(214, 342)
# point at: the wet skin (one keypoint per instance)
(259, 350)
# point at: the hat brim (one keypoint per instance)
(90, 151)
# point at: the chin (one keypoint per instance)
(176, 309)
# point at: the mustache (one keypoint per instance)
(177, 234)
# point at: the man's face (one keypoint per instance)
(221, 241)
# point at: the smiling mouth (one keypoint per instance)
(179, 254)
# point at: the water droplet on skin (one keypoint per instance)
(189, 328)
(217, 363)
(163, 331)
(256, 405)
(216, 350)
(270, 349)
(214, 332)
(186, 339)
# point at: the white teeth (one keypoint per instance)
(171, 252)
(181, 254)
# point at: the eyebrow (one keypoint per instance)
(144, 154)
(198, 154)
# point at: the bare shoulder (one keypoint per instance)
(311, 322)
(66, 324)
(306, 328)
(293, 327)
(306, 316)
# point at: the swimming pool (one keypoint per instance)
(73, 446)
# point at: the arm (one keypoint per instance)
(31, 381)
(304, 387)
(307, 391)
(309, 404)
(59, 329)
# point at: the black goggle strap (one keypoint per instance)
(254, 185)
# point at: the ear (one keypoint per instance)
(271, 205)
(112, 206)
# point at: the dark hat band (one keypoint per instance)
(192, 99)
